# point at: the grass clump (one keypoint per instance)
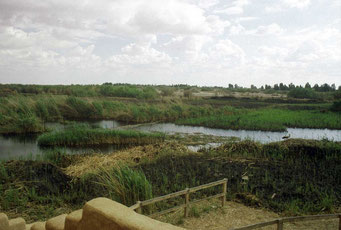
(84, 135)
(125, 185)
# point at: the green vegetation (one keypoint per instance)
(267, 120)
(128, 91)
(26, 108)
(336, 107)
(125, 185)
(302, 93)
(82, 135)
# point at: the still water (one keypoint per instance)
(261, 136)
(16, 146)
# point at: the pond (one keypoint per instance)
(25, 146)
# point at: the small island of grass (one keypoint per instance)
(86, 136)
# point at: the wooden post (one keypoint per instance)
(223, 199)
(186, 203)
(139, 209)
(280, 224)
(339, 222)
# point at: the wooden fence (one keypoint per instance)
(186, 193)
(279, 222)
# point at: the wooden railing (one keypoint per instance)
(279, 222)
(186, 193)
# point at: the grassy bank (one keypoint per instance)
(25, 114)
(83, 135)
(267, 120)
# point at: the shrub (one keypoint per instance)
(336, 107)
(302, 93)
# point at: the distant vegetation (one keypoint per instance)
(303, 93)
(26, 108)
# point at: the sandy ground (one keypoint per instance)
(211, 216)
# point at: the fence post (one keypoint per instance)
(186, 203)
(223, 199)
(339, 222)
(139, 208)
(280, 224)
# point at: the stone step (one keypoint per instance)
(73, 219)
(28, 226)
(17, 224)
(38, 226)
(56, 223)
(4, 224)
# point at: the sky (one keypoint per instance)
(195, 42)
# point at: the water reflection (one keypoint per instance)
(261, 136)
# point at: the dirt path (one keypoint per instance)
(210, 216)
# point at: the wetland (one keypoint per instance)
(63, 145)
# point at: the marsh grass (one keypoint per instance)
(125, 185)
(81, 135)
(268, 120)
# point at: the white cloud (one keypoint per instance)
(236, 8)
(189, 48)
(140, 55)
(236, 29)
(206, 4)
(287, 4)
(169, 41)
(272, 29)
(226, 53)
(296, 3)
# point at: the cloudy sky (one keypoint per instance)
(196, 42)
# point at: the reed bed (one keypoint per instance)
(124, 184)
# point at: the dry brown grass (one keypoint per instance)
(90, 163)
(213, 217)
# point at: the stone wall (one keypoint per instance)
(97, 214)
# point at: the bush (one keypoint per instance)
(302, 93)
(336, 107)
